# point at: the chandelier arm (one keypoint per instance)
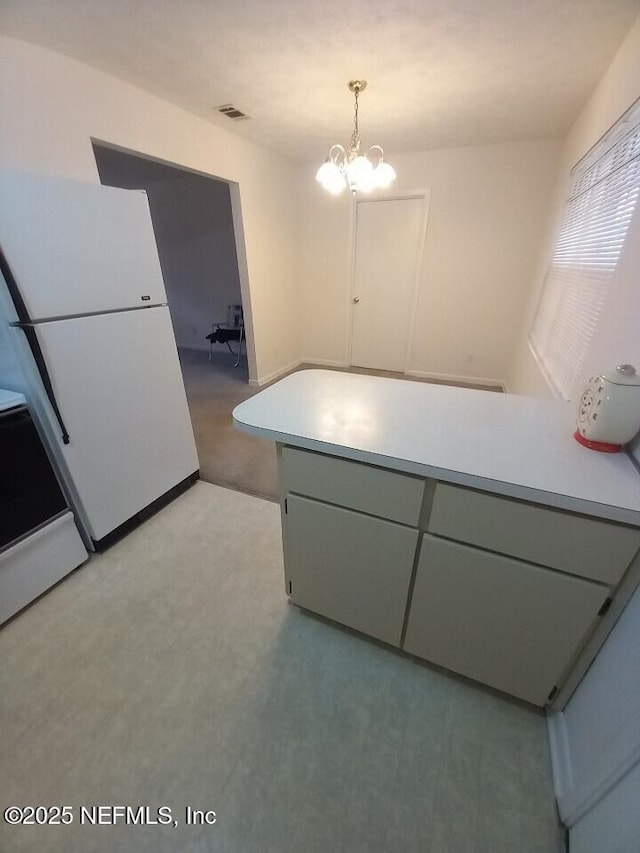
(335, 157)
(379, 149)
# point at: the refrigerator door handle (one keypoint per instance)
(28, 328)
(38, 356)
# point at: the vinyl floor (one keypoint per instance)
(172, 672)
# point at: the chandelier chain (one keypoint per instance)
(355, 136)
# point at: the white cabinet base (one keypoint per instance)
(485, 586)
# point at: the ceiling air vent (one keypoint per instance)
(232, 112)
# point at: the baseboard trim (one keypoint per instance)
(301, 362)
(276, 374)
(417, 374)
(449, 377)
(323, 362)
(574, 802)
(560, 757)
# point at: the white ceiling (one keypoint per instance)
(441, 73)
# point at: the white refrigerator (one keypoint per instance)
(87, 338)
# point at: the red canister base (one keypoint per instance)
(602, 446)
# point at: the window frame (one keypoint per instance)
(603, 192)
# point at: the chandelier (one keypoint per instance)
(349, 168)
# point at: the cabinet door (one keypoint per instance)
(508, 624)
(350, 567)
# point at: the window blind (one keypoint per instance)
(603, 192)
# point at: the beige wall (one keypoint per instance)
(487, 209)
(489, 214)
(53, 106)
(617, 337)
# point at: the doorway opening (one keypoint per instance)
(193, 222)
(198, 229)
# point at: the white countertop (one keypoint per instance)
(506, 443)
(10, 399)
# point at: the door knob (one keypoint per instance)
(356, 299)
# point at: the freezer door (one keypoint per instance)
(78, 248)
(118, 384)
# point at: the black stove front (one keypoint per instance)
(30, 494)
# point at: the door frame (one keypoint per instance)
(238, 232)
(423, 195)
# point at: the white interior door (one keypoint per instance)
(388, 252)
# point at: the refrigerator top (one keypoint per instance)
(73, 248)
(10, 400)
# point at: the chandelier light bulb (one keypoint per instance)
(326, 171)
(348, 168)
(335, 187)
(331, 178)
(384, 174)
(360, 174)
(335, 184)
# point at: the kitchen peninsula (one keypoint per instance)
(465, 527)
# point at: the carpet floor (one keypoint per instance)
(171, 672)
(227, 456)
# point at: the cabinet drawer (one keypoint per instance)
(375, 491)
(571, 543)
(508, 624)
(350, 567)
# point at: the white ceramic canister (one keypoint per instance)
(609, 410)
